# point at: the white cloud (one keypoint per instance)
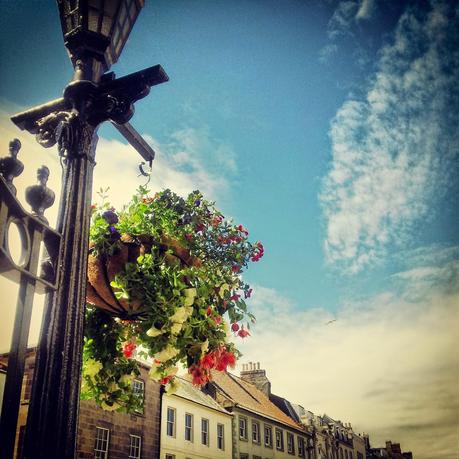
(394, 151)
(342, 19)
(387, 364)
(366, 9)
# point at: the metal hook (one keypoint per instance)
(146, 172)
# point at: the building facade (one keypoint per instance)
(102, 434)
(194, 426)
(260, 429)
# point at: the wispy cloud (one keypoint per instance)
(388, 364)
(342, 26)
(394, 150)
(366, 10)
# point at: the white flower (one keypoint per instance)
(172, 387)
(125, 379)
(176, 327)
(107, 407)
(155, 372)
(180, 315)
(153, 331)
(204, 346)
(92, 367)
(166, 354)
(113, 387)
(170, 371)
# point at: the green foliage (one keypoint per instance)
(186, 280)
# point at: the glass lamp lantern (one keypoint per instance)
(95, 32)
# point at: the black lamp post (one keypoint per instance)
(95, 32)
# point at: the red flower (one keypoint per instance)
(243, 333)
(199, 227)
(235, 327)
(165, 380)
(235, 297)
(200, 375)
(208, 361)
(248, 293)
(218, 320)
(128, 349)
(225, 359)
(188, 237)
(235, 268)
(209, 311)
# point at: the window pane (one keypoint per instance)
(205, 432)
(188, 427)
(220, 436)
(170, 430)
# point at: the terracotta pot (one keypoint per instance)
(103, 269)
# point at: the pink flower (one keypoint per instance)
(235, 297)
(241, 229)
(243, 333)
(235, 327)
(248, 293)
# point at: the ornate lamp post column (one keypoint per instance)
(94, 34)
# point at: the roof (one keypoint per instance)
(285, 406)
(246, 395)
(187, 391)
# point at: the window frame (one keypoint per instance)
(169, 456)
(96, 444)
(138, 447)
(245, 436)
(290, 443)
(170, 409)
(136, 383)
(281, 436)
(205, 432)
(221, 438)
(257, 425)
(189, 428)
(268, 428)
(301, 447)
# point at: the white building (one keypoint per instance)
(194, 426)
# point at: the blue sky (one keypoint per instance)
(329, 129)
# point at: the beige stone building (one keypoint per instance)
(260, 429)
(194, 425)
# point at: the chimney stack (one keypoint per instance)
(253, 374)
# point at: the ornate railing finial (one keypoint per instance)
(10, 166)
(40, 197)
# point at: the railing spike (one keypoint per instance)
(10, 166)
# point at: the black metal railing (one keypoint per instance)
(34, 275)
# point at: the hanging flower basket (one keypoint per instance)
(103, 269)
(164, 285)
